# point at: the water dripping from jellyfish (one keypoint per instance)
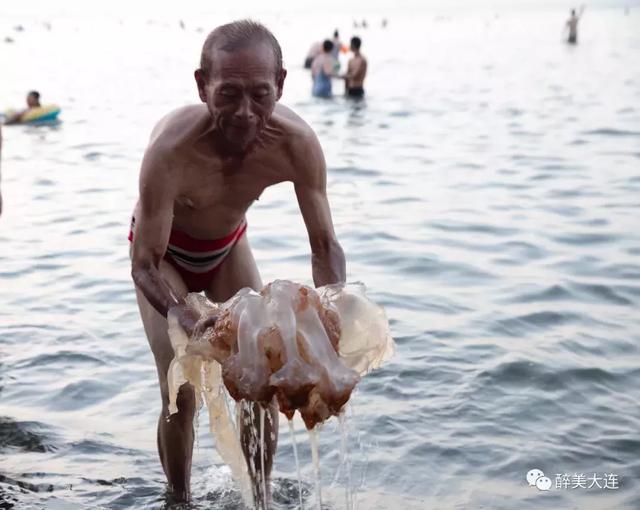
(295, 454)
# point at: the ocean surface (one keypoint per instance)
(487, 192)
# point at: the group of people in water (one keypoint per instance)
(324, 61)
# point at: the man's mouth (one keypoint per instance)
(240, 127)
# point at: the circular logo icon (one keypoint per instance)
(543, 483)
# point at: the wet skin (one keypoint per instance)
(204, 167)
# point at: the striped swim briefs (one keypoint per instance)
(197, 260)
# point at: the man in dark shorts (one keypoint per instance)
(356, 71)
(204, 166)
(572, 26)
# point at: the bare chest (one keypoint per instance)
(232, 186)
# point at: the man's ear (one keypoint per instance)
(201, 81)
(280, 83)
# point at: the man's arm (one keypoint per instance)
(327, 258)
(15, 118)
(327, 67)
(352, 69)
(153, 227)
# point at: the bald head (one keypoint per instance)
(239, 35)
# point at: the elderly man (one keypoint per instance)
(203, 168)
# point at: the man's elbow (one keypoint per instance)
(140, 270)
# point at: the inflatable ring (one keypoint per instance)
(41, 113)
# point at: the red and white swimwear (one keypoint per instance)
(197, 260)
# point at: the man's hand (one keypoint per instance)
(193, 323)
(187, 317)
(205, 323)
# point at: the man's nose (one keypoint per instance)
(244, 112)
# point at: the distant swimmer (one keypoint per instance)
(322, 70)
(356, 71)
(33, 101)
(572, 25)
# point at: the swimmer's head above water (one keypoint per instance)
(356, 42)
(240, 79)
(33, 99)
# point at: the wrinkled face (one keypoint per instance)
(241, 91)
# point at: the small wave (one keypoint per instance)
(56, 359)
(28, 436)
(600, 293)
(552, 293)
(93, 155)
(586, 238)
(24, 486)
(453, 273)
(537, 375)
(611, 132)
(94, 447)
(473, 228)
(538, 321)
(359, 172)
(82, 394)
(572, 291)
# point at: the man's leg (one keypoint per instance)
(237, 271)
(175, 432)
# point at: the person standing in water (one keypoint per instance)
(572, 26)
(322, 70)
(203, 168)
(33, 101)
(314, 51)
(356, 71)
(337, 48)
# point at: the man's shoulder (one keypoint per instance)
(294, 127)
(300, 142)
(178, 126)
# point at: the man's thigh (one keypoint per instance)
(155, 325)
(238, 270)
